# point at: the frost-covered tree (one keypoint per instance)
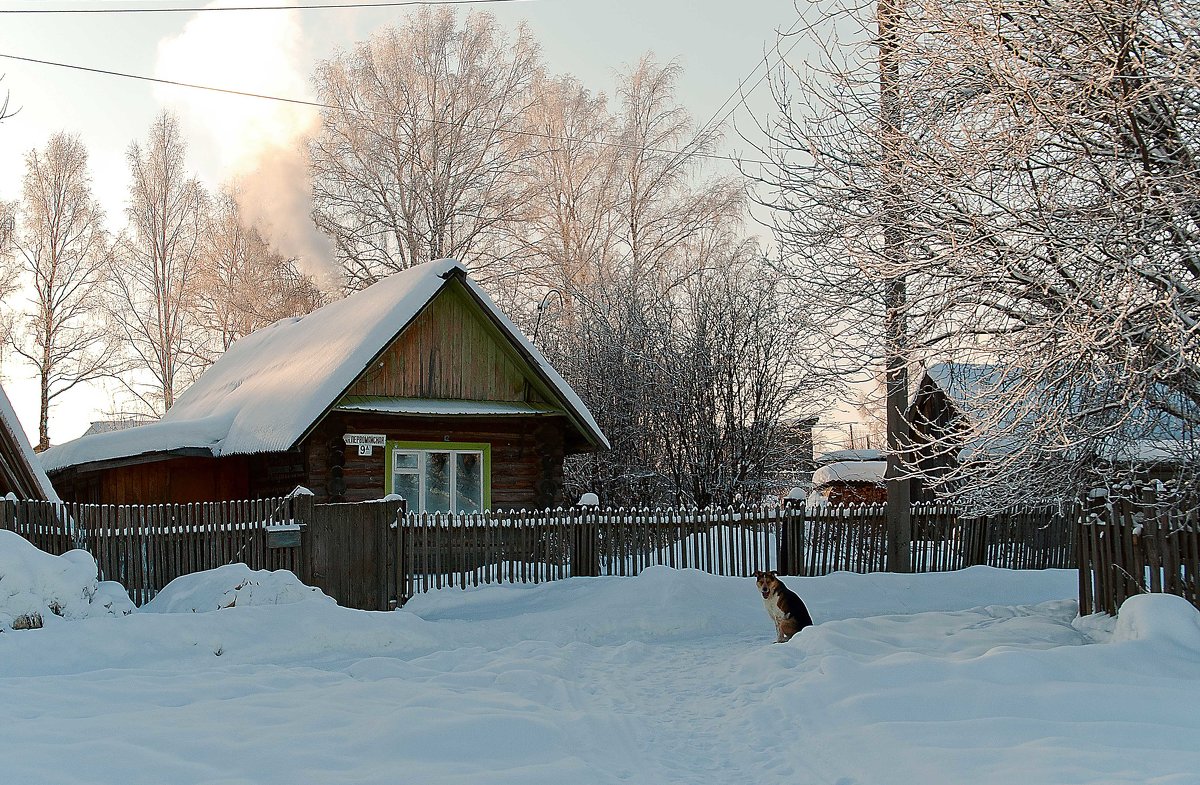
(423, 156)
(657, 289)
(156, 268)
(1043, 198)
(243, 283)
(62, 250)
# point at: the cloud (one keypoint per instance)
(256, 143)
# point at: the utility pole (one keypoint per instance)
(899, 511)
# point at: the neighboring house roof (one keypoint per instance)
(972, 387)
(271, 387)
(857, 454)
(850, 471)
(21, 473)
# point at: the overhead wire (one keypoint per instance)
(331, 107)
(206, 9)
(710, 126)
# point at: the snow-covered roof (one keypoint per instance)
(974, 389)
(850, 455)
(270, 387)
(963, 383)
(850, 471)
(21, 469)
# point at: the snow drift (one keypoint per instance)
(37, 588)
(229, 586)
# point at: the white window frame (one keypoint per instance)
(419, 504)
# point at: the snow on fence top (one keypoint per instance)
(269, 387)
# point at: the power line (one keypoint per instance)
(765, 59)
(754, 87)
(709, 124)
(319, 105)
(200, 9)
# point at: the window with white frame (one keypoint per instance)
(440, 480)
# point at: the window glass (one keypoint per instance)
(468, 482)
(437, 482)
(405, 460)
(409, 486)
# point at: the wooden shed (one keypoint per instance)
(418, 385)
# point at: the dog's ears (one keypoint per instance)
(758, 574)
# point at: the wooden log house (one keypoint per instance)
(417, 385)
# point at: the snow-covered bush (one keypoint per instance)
(231, 585)
(37, 588)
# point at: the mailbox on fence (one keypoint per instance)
(284, 535)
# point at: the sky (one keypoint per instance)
(717, 43)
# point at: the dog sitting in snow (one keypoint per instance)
(784, 606)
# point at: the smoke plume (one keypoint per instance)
(257, 144)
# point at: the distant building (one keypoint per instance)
(108, 426)
(849, 477)
(950, 396)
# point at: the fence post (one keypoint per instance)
(392, 579)
(977, 540)
(585, 549)
(791, 538)
(302, 514)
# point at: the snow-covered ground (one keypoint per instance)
(979, 676)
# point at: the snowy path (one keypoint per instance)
(667, 678)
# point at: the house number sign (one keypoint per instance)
(366, 442)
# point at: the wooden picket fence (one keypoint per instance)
(374, 556)
(1127, 549)
(438, 550)
(145, 547)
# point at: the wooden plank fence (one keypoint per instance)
(1127, 549)
(373, 556)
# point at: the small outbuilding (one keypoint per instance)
(418, 385)
(849, 477)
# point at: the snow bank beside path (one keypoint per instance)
(37, 588)
(1159, 618)
(983, 676)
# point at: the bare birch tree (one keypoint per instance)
(658, 286)
(564, 236)
(243, 283)
(423, 157)
(156, 269)
(62, 250)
